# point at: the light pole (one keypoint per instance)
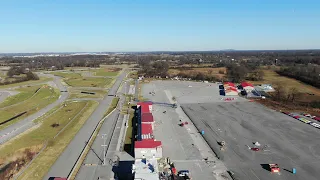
(104, 149)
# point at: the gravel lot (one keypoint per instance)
(239, 123)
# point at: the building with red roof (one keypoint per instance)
(230, 89)
(247, 86)
(147, 103)
(147, 118)
(146, 129)
(147, 148)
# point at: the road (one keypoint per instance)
(23, 125)
(95, 155)
(64, 164)
(4, 94)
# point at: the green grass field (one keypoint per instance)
(25, 93)
(46, 132)
(41, 80)
(76, 93)
(105, 72)
(129, 129)
(76, 80)
(44, 97)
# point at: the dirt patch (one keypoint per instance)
(10, 168)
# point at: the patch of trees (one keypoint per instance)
(151, 69)
(15, 71)
(309, 74)
(200, 76)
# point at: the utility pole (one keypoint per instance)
(104, 149)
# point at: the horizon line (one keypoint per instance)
(61, 52)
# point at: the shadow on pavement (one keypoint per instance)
(123, 171)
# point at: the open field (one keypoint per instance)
(46, 132)
(76, 93)
(271, 77)
(292, 144)
(41, 80)
(208, 71)
(25, 93)
(76, 80)
(44, 97)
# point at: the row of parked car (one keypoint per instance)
(304, 120)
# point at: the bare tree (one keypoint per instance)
(280, 90)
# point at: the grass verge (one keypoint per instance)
(41, 165)
(129, 129)
(113, 105)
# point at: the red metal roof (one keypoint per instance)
(147, 117)
(229, 83)
(147, 102)
(145, 108)
(245, 84)
(147, 143)
(146, 129)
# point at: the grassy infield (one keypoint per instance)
(28, 102)
(37, 138)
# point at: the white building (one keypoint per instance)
(147, 148)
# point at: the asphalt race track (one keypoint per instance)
(23, 125)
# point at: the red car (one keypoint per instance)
(255, 149)
(317, 118)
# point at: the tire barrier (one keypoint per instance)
(14, 117)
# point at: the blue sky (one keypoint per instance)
(149, 25)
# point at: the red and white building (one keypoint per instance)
(247, 86)
(146, 146)
(230, 89)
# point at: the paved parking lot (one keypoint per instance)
(183, 145)
(291, 143)
(239, 123)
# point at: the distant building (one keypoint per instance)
(230, 89)
(248, 87)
